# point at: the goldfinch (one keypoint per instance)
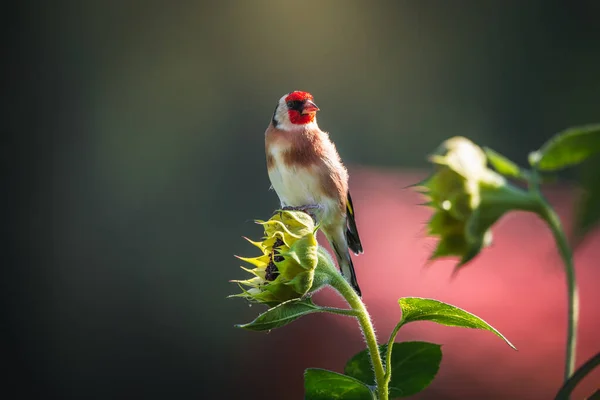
(307, 174)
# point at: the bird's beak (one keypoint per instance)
(309, 107)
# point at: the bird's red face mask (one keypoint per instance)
(301, 108)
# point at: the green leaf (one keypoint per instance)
(414, 365)
(567, 148)
(320, 384)
(419, 309)
(587, 208)
(503, 165)
(281, 315)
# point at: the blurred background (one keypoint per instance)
(133, 155)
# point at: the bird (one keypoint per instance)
(307, 174)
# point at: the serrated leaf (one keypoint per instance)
(414, 366)
(419, 309)
(567, 148)
(282, 314)
(320, 384)
(503, 165)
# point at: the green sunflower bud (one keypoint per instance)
(468, 198)
(286, 268)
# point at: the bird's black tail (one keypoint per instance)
(347, 267)
(352, 231)
(353, 280)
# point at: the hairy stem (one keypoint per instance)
(339, 283)
(553, 221)
(340, 311)
(388, 355)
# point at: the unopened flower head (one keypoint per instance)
(468, 199)
(286, 268)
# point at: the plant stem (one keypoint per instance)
(553, 221)
(388, 356)
(339, 283)
(340, 311)
(567, 388)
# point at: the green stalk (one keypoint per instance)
(340, 311)
(585, 369)
(388, 356)
(547, 213)
(339, 283)
(551, 218)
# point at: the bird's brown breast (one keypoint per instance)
(301, 148)
(308, 150)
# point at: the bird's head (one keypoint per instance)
(295, 109)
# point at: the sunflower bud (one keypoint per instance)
(468, 198)
(286, 268)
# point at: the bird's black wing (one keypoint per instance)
(352, 232)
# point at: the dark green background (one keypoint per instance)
(134, 158)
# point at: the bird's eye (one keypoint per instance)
(294, 104)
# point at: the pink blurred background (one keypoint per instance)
(517, 285)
